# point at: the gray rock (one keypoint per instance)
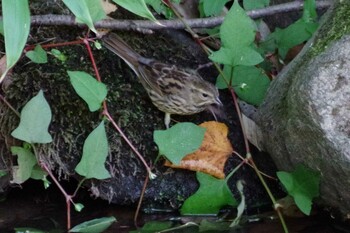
(306, 116)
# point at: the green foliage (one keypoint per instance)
(57, 54)
(78, 207)
(309, 13)
(94, 226)
(35, 120)
(239, 56)
(212, 195)
(87, 11)
(296, 33)
(237, 36)
(16, 23)
(89, 89)
(38, 173)
(160, 8)
(179, 140)
(255, 4)
(38, 55)
(26, 161)
(137, 7)
(303, 185)
(249, 82)
(211, 8)
(95, 152)
(47, 183)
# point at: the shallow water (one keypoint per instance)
(35, 207)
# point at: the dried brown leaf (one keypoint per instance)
(210, 158)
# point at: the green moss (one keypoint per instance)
(336, 24)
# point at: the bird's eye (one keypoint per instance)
(205, 95)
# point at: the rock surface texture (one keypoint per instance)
(306, 116)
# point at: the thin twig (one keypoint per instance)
(140, 201)
(69, 20)
(69, 198)
(3, 99)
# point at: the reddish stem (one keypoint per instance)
(88, 47)
(109, 117)
(45, 46)
(66, 195)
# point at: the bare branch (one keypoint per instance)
(174, 24)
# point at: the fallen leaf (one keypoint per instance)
(210, 158)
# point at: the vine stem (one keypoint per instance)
(68, 198)
(249, 158)
(106, 113)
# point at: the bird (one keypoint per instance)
(172, 90)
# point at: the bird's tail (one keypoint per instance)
(118, 46)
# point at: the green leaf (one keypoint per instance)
(38, 55)
(179, 140)
(137, 7)
(94, 226)
(46, 182)
(89, 89)
(244, 56)
(98, 45)
(223, 83)
(255, 4)
(78, 207)
(238, 28)
(57, 54)
(26, 161)
(161, 8)
(250, 83)
(212, 8)
(309, 13)
(237, 35)
(212, 195)
(293, 35)
(87, 11)
(95, 152)
(16, 23)
(35, 120)
(303, 185)
(38, 173)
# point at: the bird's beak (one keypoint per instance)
(218, 101)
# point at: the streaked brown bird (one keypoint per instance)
(172, 90)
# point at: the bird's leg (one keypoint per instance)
(167, 120)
